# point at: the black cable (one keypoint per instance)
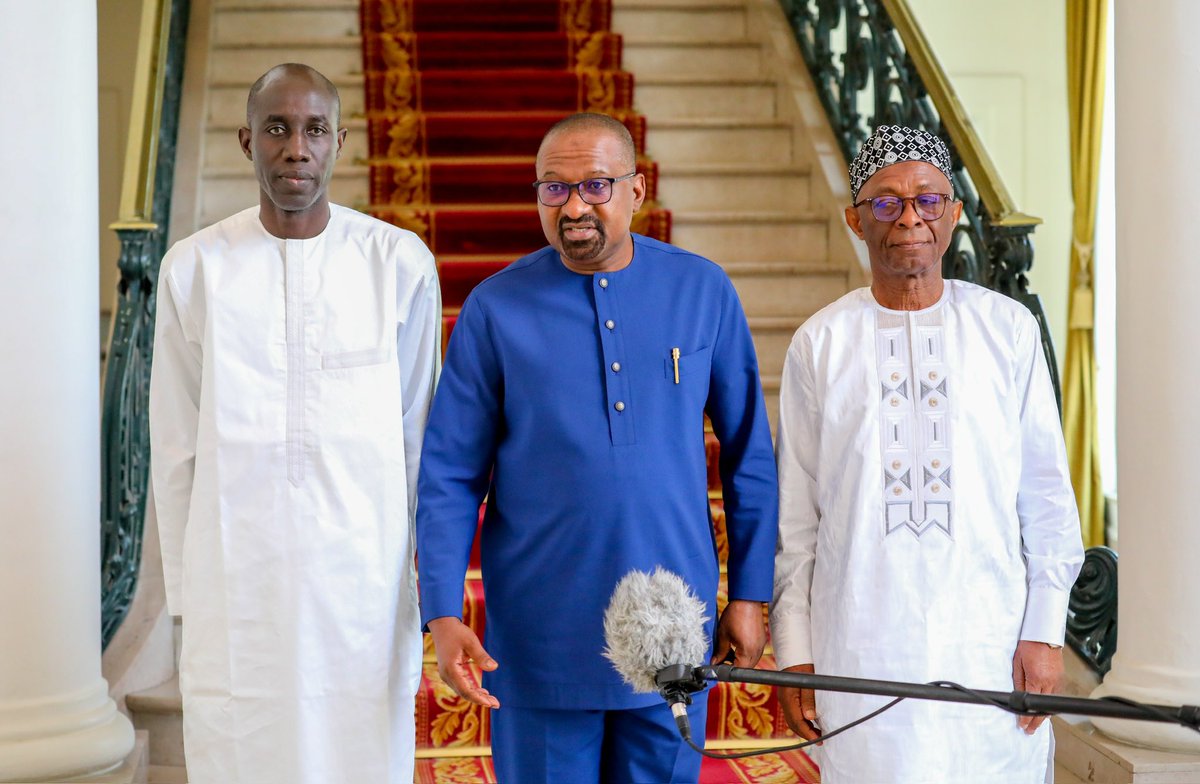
(1149, 710)
(795, 746)
(983, 698)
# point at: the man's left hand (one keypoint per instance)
(742, 631)
(1037, 669)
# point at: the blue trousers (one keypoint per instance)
(636, 746)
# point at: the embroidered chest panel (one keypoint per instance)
(914, 420)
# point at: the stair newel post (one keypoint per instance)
(124, 433)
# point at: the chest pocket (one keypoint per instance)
(695, 363)
(353, 359)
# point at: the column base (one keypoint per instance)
(1151, 735)
(1094, 757)
(102, 747)
(134, 770)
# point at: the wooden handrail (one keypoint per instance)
(995, 196)
(145, 114)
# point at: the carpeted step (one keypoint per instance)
(418, 181)
(739, 715)
(459, 277)
(444, 720)
(515, 231)
(473, 50)
(411, 134)
(746, 711)
(791, 767)
(513, 89)
(486, 15)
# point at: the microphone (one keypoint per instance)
(654, 631)
(654, 636)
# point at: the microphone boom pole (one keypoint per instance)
(1015, 701)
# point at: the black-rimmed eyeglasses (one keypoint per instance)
(929, 206)
(595, 190)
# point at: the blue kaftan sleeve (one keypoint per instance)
(456, 462)
(739, 418)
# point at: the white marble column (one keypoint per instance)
(56, 718)
(1158, 373)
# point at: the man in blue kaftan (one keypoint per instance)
(573, 398)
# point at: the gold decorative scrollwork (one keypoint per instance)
(411, 182)
(641, 221)
(395, 16)
(416, 221)
(575, 16)
(400, 90)
(768, 769)
(746, 715)
(404, 136)
(599, 90)
(398, 50)
(458, 722)
(587, 50)
(457, 770)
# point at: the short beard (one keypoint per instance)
(582, 250)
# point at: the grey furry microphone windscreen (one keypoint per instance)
(653, 621)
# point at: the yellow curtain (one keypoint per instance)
(1085, 95)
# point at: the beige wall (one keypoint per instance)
(1007, 61)
(117, 30)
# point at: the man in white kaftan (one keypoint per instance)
(296, 351)
(928, 530)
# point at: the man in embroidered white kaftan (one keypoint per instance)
(927, 525)
(295, 355)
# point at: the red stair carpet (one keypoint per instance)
(458, 96)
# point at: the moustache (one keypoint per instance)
(565, 223)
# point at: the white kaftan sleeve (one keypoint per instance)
(419, 355)
(1050, 537)
(797, 449)
(174, 410)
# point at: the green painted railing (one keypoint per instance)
(142, 229)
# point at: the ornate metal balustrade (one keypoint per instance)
(142, 229)
(1092, 617)
(872, 65)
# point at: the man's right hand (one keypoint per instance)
(800, 707)
(457, 646)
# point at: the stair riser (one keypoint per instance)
(659, 101)
(771, 347)
(166, 774)
(787, 295)
(719, 145)
(730, 61)
(724, 242)
(227, 4)
(222, 151)
(243, 66)
(166, 736)
(255, 28)
(711, 193)
(648, 24)
(227, 105)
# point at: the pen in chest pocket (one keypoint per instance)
(675, 360)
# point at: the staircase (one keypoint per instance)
(735, 167)
(732, 170)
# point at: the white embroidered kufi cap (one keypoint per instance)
(896, 144)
